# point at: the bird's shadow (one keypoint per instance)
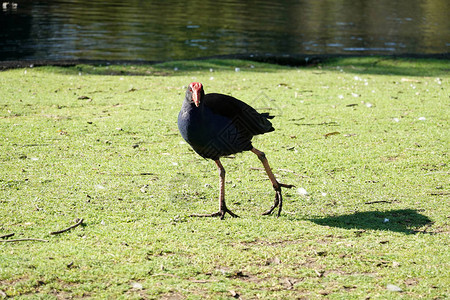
(405, 221)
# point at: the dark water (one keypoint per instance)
(165, 30)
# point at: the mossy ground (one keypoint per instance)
(366, 138)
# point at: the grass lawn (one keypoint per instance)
(364, 140)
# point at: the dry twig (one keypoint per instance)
(378, 201)
(80, 221)
(24, 239)
(7, 235)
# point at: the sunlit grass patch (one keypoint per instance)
(364, 140)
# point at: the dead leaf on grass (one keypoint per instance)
(273, 261)
(85, 98)
(331, 133)
(411, 281)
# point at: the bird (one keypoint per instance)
(217, 125)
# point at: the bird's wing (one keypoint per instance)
(242, 114)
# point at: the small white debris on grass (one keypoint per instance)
(174, 164)
(385, 220)
(136, 285)
(237, 69)
(369, 105)
(324, 194)
(393, 288)
(302, 191)
(422, 119)
(341, 96)
(396, 119)
(100, 187)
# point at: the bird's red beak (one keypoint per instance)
(196, 92)
(196, 97)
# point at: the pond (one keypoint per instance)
(167, 30)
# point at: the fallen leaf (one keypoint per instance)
(274, 261)
(331, 133)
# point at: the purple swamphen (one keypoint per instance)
(217, 125)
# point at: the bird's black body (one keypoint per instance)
(221, 125)
(217, 125)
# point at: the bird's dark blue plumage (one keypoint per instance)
(217, 125)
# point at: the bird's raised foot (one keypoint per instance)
(220, 213)
(278, 199)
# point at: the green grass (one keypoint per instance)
(367, 138)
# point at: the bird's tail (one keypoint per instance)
(267, 116)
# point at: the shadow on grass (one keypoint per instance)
(403, 220)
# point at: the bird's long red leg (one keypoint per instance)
(222, 206)
(276, 185)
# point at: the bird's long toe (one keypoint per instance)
(278, 199)
(220, 213)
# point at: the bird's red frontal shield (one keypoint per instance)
(196, 92)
